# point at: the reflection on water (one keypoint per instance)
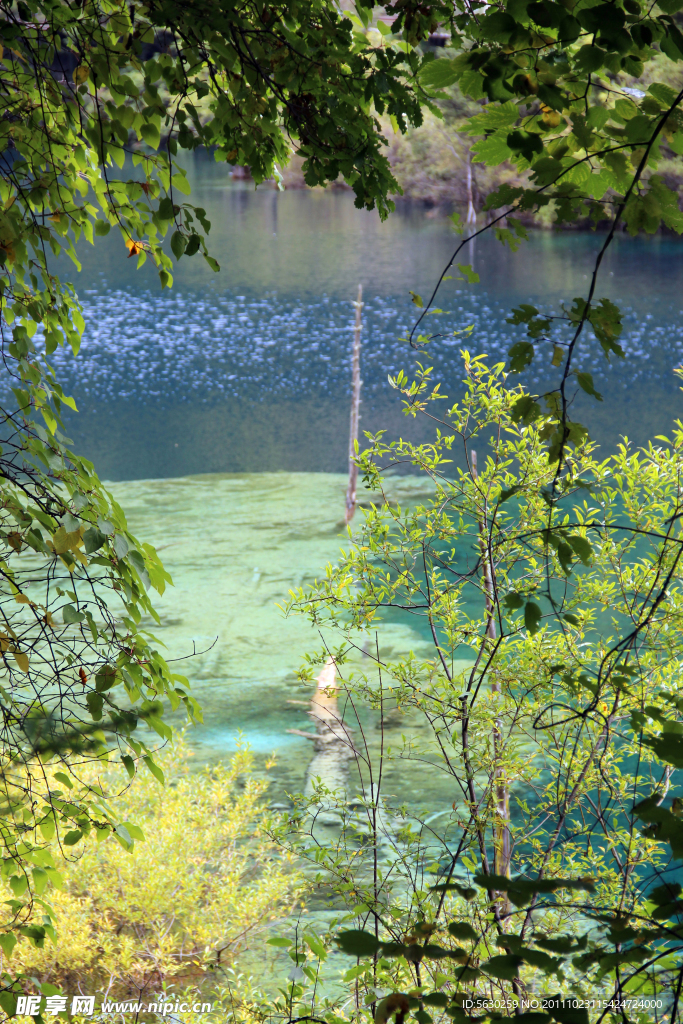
(248, 370)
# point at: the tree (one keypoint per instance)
(95, 101)
(542, 879)
(557, 570)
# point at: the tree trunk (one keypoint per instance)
(355, 411)
(501, 828)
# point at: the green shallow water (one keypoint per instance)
(235, 544)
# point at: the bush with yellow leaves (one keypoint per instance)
(131, 920)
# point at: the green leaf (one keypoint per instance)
(504, 195)
(441, 73)
(280, 942)
(586, 384)
(95, 703)
(72, 837)
(463, 890)
(154, 769)
(525, 410)
(134, 831)
(7, 943)
(527, 144)
(532, 617)
(105, 678)
(498, 27)
(562, 943)
(93, 540)
(166, 209)
(102, 227)
(668, 747)
(569, 30)
(467, 272)
(358, 943)
(513, 600)
(18, 884)
(462, 930)
(582, 547)
(590, 58)
(505, 495)
(564, 553)
(71, 615)
(129, 764)
(124, 836)
(504, 966)
(150, 133)
(521, 890)
(435, 999)
(521, 355)
(192, 244)
(178, 243)
(433, 952)
(417, 300)
(492, 150)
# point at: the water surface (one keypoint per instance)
(248, 370)
(220, 407)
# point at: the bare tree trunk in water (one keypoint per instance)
(332, 738)
(355, 411)
(471, 212)
(501, 829)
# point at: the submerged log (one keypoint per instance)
(366, 818)
(332, 739)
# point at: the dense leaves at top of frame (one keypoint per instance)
(541, 66)
(578, 95)
(246, 80)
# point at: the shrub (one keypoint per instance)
(131, 920)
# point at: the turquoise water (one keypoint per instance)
(220, 409)
(234, 544)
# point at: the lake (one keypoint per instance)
(248, 370)
(219, 409)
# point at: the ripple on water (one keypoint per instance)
(175, 347)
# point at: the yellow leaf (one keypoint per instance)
(64, 541)
(552, 118)
(59, 541)
(133, 247)
(21, 660)
(81, 74)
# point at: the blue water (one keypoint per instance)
(248, 370)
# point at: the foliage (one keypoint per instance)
(554, 873)
(95, 101)
(557, 572)
(183, 904)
